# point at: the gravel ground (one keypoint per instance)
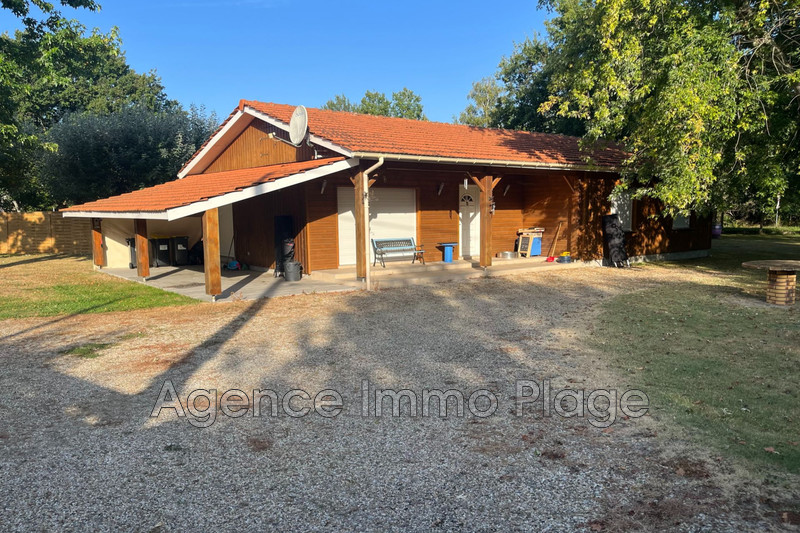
(80, 452)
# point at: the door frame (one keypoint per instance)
(475, 190)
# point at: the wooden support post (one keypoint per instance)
(362, 253)
(486, 185)
(98, 258)
(142, 248)
(211, 253)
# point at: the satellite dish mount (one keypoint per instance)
(298, 126)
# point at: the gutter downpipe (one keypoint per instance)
(365, 177)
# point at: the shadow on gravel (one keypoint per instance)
(483, 334)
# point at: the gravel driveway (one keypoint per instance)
(81, 453)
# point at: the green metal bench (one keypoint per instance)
(384, 248)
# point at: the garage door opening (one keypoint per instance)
(392, 215)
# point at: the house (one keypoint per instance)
(248, 186)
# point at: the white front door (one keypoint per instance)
(393, 215)
(469, 218)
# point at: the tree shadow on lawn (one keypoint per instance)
(29, 260)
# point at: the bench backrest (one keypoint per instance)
(380, 244)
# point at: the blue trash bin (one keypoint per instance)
(447, 247)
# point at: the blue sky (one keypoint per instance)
(216, 52)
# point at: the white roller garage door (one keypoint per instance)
(393, 214)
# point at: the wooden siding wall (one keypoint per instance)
(254, 226)
(578, 200)
(654, 234)
(508, 214)
(549, 199)
(254, 148)
(44, 233)
(591, 195)
(323, 221)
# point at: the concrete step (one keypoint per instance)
(349, 272)
(406, 280)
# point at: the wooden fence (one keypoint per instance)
(44, 233)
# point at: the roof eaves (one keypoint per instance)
(485, 162)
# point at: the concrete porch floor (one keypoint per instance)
(404, 273)
(236, 284)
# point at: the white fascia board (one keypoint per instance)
(146, 215)
(285, 127)
(258, 190)
(232, 125)
(482, 162)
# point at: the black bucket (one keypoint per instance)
(292, 271)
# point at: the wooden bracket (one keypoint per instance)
(477, 182)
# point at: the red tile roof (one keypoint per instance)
(197, 187)
(387, 135)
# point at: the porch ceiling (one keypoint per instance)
(200, 192)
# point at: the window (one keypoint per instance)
(681, 222)
(622, 205)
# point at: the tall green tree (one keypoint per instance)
(404, 103)
(375, 103)
(704, 94)
(19, 139)
(104, 154)
(526, 79)
(48, 70)
(340, 103)
(407, 104)
(484, 98)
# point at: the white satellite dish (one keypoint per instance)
(298, 125)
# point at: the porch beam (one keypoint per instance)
(142, 248)
(98, 258)
(486, 185)
(211, 254)
(360, 191)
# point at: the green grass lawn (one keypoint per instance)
(712, 356)
(47, 285)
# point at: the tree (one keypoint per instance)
(526, 75)
(105, 154)
(405, 104)
(704, 95)
(340, 103)
(375, 103)
(19, 140)
(48, 70)
(484, 99)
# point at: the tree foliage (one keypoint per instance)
(404, 104)
(482, 110)
(104, 154)
(705, 95)
(52, 69)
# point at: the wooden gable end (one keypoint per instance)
(262, 144)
